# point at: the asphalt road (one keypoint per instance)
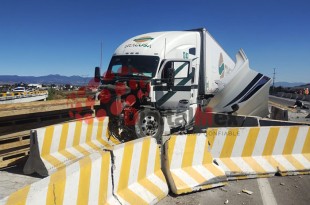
(287, 190)
(285, 101)
(294, 114)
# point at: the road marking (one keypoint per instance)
(266, 192)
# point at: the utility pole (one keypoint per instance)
(273, 79)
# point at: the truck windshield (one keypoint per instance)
(133, 65)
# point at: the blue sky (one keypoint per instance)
(40, 37)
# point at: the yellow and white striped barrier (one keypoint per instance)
(189, 166)
(138, 178)
(58, 145)
(87, 181)
(261, 151)
(130, 173)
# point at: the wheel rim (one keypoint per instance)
(149, 126)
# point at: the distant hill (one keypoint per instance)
(303, 86)
(78, 80)
(48, 79)
(287, 84)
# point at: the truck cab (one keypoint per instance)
(155, 82)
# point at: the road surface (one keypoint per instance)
(287, 190)
(285, 102)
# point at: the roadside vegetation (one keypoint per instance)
(54, 94)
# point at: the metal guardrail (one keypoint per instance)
(14, 148)
(292, 96)
(16, 121)
(19, 95)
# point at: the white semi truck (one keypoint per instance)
(157, 81)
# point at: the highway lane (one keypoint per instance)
(285, 101)
(266, 191)
(294, 114)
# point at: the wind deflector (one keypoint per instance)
(202, 71)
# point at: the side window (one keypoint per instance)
(181, 69)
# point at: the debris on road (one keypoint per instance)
(226, 202)
(247, 192)
(282, 184)
(223, 189)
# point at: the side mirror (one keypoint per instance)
(97, 74)
(170, 75)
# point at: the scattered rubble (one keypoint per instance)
(247, 192)
(223, 189)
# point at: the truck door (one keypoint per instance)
(176, 96)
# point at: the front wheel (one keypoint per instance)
(149, 123)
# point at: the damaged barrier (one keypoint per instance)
(261, 151)
(87, 181)
(58, 145)
(138, 178)
(188, 164)
(201, 161)
(130, 173)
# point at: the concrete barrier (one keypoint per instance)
(264, 151)
(56, 146)
(204, 120)
(288, 95)
(137, 174)
(278, 113)
(130, 173)
(87, 181)
(189, 166)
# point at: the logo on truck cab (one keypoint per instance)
(140, 42)
(143, 39)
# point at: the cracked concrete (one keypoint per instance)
(112, 157)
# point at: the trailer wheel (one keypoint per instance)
(149, 123)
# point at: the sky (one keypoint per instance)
(41, 37)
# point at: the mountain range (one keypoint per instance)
(289, 84)
(48, 79)
(78, 80)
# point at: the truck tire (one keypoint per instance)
(149, 123)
